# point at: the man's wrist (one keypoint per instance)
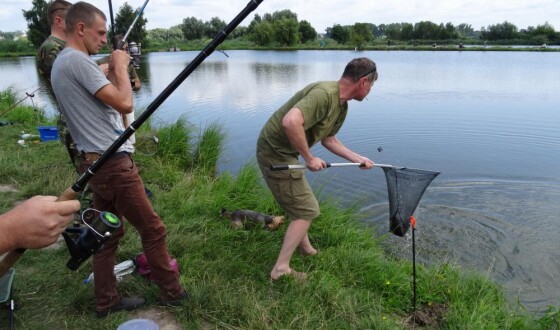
(9, 232)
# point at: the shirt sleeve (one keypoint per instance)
(89, 75)
(314, 107)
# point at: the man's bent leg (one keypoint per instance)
(294, 235)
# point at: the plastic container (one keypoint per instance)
(48, 133)
(139, 324)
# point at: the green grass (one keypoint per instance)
(352, 283)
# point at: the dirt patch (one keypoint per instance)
(6, 188)
(164, 318)
(429, 316)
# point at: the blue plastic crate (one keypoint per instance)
(48, 133)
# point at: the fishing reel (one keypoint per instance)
(88, 238)
(135, 50)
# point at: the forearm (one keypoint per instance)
(120, 79)
(7, 232)
(334, 145)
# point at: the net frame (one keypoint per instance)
(405, 187)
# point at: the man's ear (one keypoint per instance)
(58, 20)
(81, 29)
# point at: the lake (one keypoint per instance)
(487, 120)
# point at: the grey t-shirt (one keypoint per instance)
(94, 126)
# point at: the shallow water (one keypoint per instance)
(487, 120)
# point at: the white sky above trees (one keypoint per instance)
(325, 13)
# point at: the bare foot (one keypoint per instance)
(298, 276)
(308, 251)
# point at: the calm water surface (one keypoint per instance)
(487, 120)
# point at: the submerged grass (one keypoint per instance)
(352, 284)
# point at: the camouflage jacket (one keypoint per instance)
(46, 55)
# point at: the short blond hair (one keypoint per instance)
(82, 12)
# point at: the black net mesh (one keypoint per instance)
(405, 186)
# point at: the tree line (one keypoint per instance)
(283, 28)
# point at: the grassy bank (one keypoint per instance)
(235, 44)
(352, 284)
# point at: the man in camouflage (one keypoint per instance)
(47, 53)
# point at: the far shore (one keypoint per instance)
(443, 47)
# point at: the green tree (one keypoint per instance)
(124, 20)
(286, 13)
(158, 35)
(340, 33)
(546, 30)
(407, 31)
(239, 32)
(306, 32)
(361, 33)
(286, 31)
(380, 31)
(262, 34)
(447, 31)
(256, 20)
(393, 31)
(213, 26)
(502, 31)
(426, 30)
(37, 23)
(465, 30)
(193, 28)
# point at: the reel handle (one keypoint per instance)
(68, 195)
(9, 260)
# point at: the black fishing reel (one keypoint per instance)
(87, 238)
(135, 50)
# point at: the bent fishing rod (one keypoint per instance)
(138, 14)
(123, 40)
(72, 192)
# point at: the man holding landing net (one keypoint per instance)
(315, 113)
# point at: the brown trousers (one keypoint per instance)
(117, 188)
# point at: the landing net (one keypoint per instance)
(405, 186)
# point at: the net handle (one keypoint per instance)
(282, 167)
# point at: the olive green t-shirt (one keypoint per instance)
(322, 113)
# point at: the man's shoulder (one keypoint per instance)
(51, 44)
(322, 88)
(71, 54)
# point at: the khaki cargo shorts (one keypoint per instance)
(290, 189)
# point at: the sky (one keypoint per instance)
(326, 13)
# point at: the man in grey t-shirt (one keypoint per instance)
(92, 105)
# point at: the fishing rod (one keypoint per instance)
(138, 14)
(72, 192)
(18, 102)
(295, 167)
(114, 43)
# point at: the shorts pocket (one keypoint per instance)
(298, 185)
